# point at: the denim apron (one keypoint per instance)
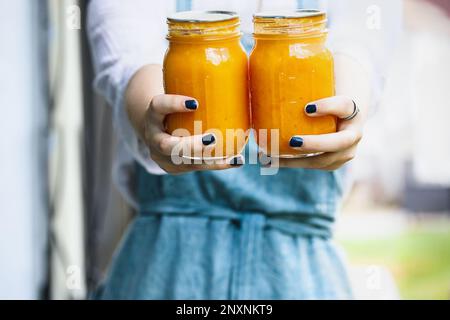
(233, 234)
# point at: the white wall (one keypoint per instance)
(22, 214)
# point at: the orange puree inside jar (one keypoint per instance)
(290, 67)
(206, 61)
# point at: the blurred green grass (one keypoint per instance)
(419, 259)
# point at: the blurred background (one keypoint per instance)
(61, 216)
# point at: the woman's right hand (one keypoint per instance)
(164, 148)
(147, 109)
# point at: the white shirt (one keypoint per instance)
(125, 36)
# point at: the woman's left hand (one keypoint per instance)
(338, 148)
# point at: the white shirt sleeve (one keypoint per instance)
(124, 37)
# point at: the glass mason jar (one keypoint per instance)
(205, 61)
(290, 66)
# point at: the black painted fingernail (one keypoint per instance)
(237, 162)
(311, 108)
(296, 142)
(208, 140)
(191, 104)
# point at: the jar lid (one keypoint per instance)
(202, 16)
(285, 14)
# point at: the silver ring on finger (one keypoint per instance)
(354, 114)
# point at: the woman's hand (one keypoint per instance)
(147, 109)
(164, 147)
(352, 80)
(336, 148)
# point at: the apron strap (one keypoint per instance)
(184, 5)
(308, 4)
